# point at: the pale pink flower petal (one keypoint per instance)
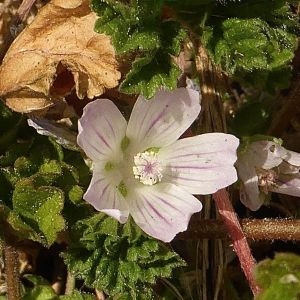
(292, 158)
(104, 195)
(162, 210)
(201, 164)
(162, 120)
(265, 154)
(101, 130)
(250, 194)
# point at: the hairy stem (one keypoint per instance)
(268, 229)
(254, 229)
(11, 262)
(239, 240)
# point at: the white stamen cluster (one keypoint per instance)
(266, 179)
(147, 168)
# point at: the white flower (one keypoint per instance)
(142, 169)
(265, 167)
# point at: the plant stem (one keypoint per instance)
(24, 9)
(213, 259)
(99, 295)
(255, 229)
(239, 240)
(59, 271)
(204, 229)
(70, 284)
(268, 229)
(11, 261)
(212, 119)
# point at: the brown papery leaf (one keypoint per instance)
(58, 51)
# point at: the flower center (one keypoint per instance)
(266, 179)
(147, 168)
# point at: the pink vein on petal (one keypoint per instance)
(96, 149)
(141, 210)
(168, 204)
(194, 154)
(102, 139)
(195, 167)
(157, 212)
(111, 127)
(155, 121)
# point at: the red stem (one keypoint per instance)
(240, 244)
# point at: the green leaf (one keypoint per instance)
(275, 12)
(132, 26)
(252, 44)
(43, 150)
(148, 74)
(23, 166)
(16, 226)
(40, 206)
(252, 41)
(76, 295)
(41, 290)
(133, 233)
(138, 26)
(146, 40)
(37, 177)
(97, 225)
(75, 194)
(279, 277)
(51, 167)
(118, 259)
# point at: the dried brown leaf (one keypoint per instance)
(60, 38)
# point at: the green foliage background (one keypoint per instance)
(41, 183)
